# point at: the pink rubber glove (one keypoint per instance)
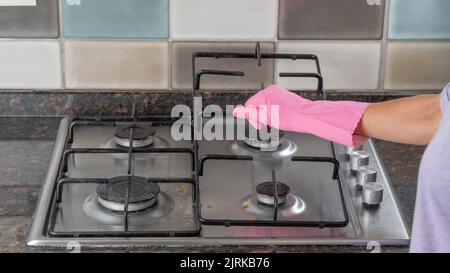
(334, 121)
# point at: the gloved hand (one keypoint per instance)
(334, 121)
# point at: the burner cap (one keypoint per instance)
(262, 144)
(265, 193)
(142, 193)
(143, 135)
(254, 140)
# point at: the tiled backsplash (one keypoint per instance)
(363, 45)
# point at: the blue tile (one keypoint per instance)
(131, 19)
(419, 19)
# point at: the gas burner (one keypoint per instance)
(143, 135)
(286, 148)
(263, 145)
(265, 193)
(101, 214)
(293, 207)
(254, 140)
(143, 194)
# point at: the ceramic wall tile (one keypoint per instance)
(116, 65)
(255, 76)
(16, 3)
(30, 65)
(353, 66)
(40, 21)
(219, 20)
(417, 65)
(131, 19)
(418, 19)
(325, 19)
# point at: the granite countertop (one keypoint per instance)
(26, 146)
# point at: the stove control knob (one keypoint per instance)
(372, 194)
(358, 159)
(365, 175)
(350, 150)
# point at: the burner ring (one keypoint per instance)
(132, 207)
(143, 135)
(262, 144)
(268, 145)
(266, 194)
(143, 194)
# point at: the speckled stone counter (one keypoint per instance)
(29, 123)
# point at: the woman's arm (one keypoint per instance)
(412, 120)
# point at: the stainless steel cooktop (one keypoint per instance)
(220, 192)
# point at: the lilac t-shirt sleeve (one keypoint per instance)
(431, 229)
(445, 98)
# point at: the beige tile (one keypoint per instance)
(181, 53)
(417, 65)
(345, 65)
(116, 65)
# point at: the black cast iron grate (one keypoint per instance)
(258, 56)
(62, 180)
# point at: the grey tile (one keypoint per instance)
(254, 75)
(417, 66)
(40, 21)
(325, 19)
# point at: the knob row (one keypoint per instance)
(366, 177)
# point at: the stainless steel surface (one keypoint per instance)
(358, 159)
(365, 174)
(226, 189)
(225, 183)
(372, 194)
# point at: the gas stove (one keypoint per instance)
(125, 181)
